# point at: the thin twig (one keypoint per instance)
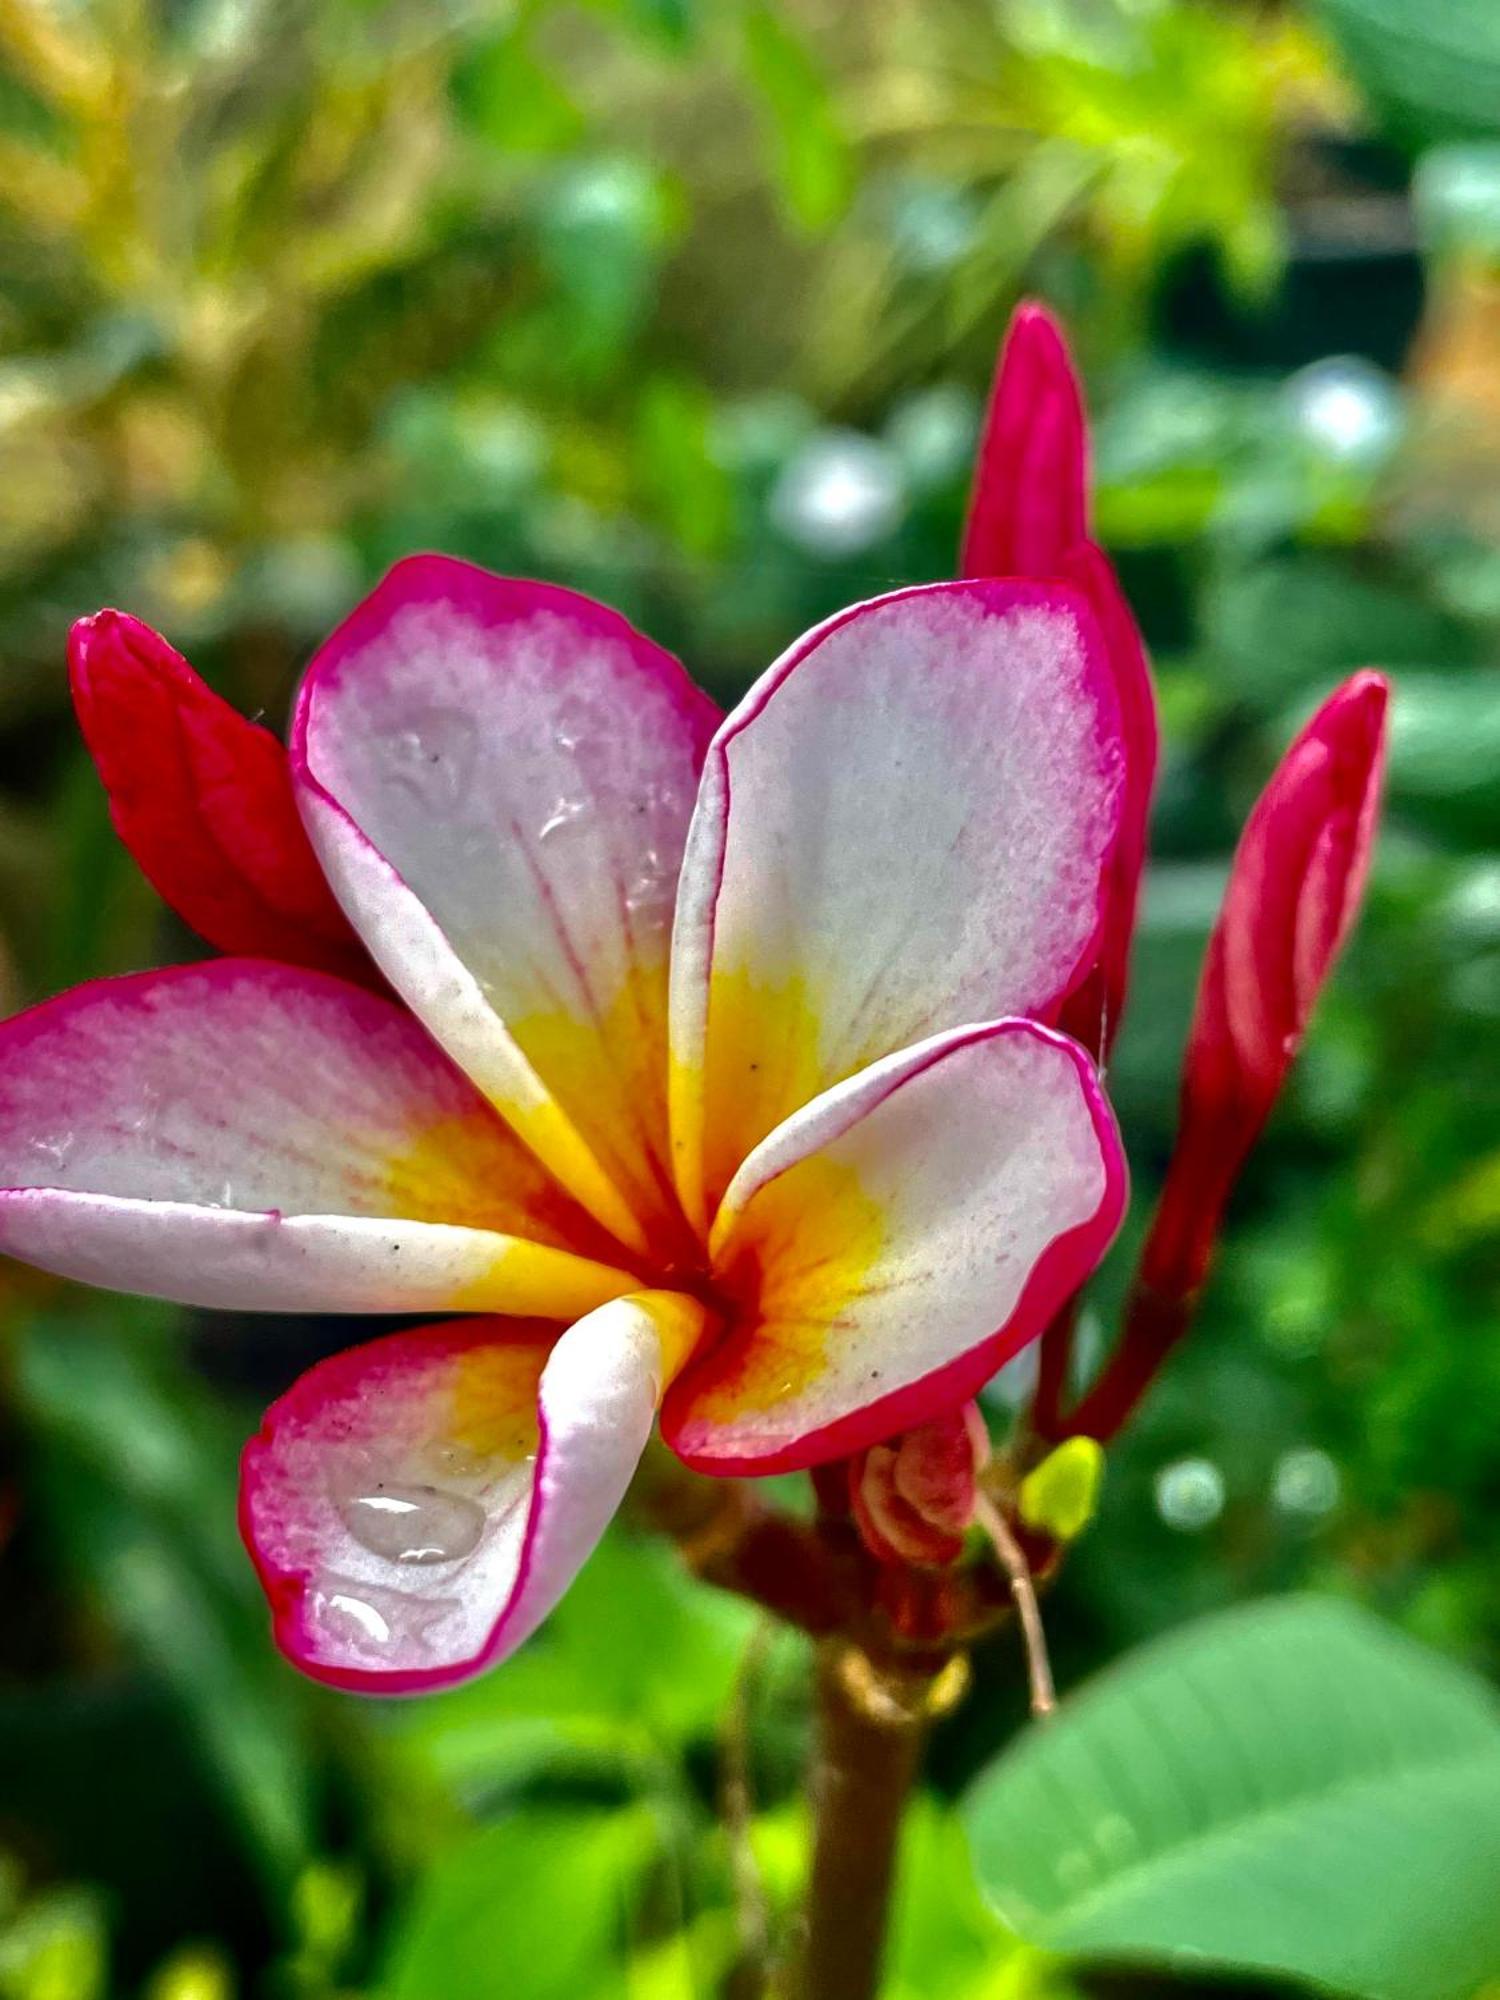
(1023, 1590)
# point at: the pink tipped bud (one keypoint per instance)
(1029, 516)
(1294, 889)
(913, 1498)
(203, 800)
(1029, 506)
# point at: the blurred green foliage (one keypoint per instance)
(692, 305)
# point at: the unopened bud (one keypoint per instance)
(913, 1498)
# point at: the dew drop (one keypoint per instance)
(651, 893)
(356, 1611)
(413, 1524)
(433, 758)
(565, 812)
(369, 1620)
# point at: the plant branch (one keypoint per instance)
(869, 1737)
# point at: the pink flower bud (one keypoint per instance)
(1029, 506)
(913, 1498)
(1298, 875)
(203, 800)
(1029, 516)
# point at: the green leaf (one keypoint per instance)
(1290, 1788)
(54, 1948)
(535, 1907)
(813, 162)
(593, 1687)
(672, 24)
(506, 97)
(678, 471)
(944, 1942)
(1434, 71)
(137, 1474)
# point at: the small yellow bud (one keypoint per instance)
(1059, 1497)
(194, 1973)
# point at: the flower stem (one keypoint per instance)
(867, 1749)
(1028, 1611)
(1054, 1363)
(1155, 1322)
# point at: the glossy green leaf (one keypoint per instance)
(1435, 70)
(1290, 1788)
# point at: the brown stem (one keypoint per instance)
(868, 1747)
(816, 1575)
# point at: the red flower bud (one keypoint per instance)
(203, 800)
(1294, 889)
(913, 1498)
(1029, 505)
(1028, 516)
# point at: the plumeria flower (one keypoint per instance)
(699, 1070)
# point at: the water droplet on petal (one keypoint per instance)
(651, 892)
(433, 758)
(413, 1524)
(363, 1616)
(565, 812)
(374, 1621)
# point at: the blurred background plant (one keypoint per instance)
(692, 305)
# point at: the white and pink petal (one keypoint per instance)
(417, 1505)
(498, 776)
(895, 1242)
(246, 1134)
(904, 827)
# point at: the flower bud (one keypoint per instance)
(913, 1498)
(203, 799)
(1029, 505)
(1029, 516)
(1294, 889)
